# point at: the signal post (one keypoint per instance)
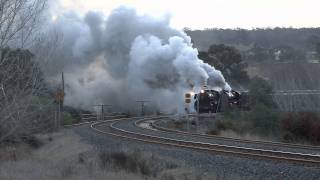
(187, 101)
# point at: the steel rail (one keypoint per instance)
(257, 142)
(208, 147)
(116, 117)
(239, 147)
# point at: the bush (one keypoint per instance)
(134, 162)
(68, 119)
(213, 131)
(301, 126)
(32, 141)
(260, 120)
(288, 137)
(74, 113)
(315, 132)
(223, 125)
(232, 113)
(22, 111)
(265, 120)
(259, 93)
(262, 117)
(121, 160)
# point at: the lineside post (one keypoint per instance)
(143, 102)
(187, 100)
(102, 110)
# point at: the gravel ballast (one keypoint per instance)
(222, 166)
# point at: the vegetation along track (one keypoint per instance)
(270, 144)
(109, 127)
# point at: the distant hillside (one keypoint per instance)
(301, 39)
(286, 57)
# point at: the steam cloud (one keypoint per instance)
(126, 57)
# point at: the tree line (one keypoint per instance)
(263, 43)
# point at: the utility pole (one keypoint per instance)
(102, 109)
(59, 99)
(61, 102)
(62, 81)
(143, 102)
(198, 110)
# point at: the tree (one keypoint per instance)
(259, 54)
(260, 93)
(263, 113)
(21, 82)
(228, 60)
(186, 29)
(312, 41)
(18, 21)
(18, 73)
(288, 53)
(318, 50)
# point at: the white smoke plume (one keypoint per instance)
(127, 57)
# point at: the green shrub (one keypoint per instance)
(232, 113)
(67, 119)
(259, 93)
(74, 113)
(265, 120)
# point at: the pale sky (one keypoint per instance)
(200, 14)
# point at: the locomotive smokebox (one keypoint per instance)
(214, 101)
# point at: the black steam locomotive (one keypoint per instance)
(212, 101)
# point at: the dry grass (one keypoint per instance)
(65, 157)
(135, 162)
(13, 153)
(247, 136)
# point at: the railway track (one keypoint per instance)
(91, 118)
(110, 128)
(154, 124)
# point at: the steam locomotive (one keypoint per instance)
(213, 101)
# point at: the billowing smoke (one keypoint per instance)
(127, 57)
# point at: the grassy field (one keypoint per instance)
(65, 157)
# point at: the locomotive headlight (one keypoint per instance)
(210, 95)
(202, 91)
(230, 94)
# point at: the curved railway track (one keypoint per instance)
(110, 127)
(155, 125)
(91, 118)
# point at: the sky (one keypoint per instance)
(201, 14)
